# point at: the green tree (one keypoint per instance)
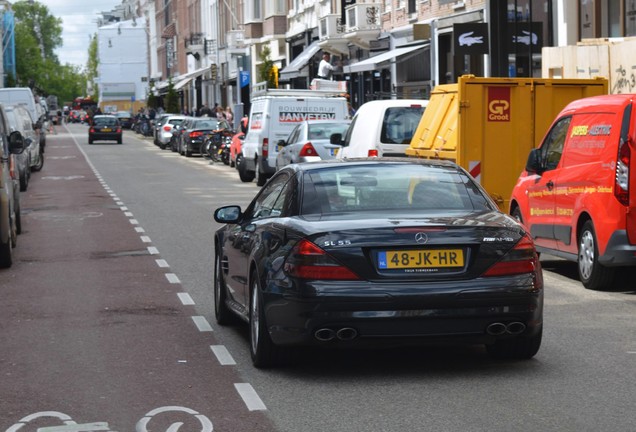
(151, 100)
(267, 71)
(37, 35)
(172, 99)
(93, 64)
(46, 28)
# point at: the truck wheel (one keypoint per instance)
(245, 175)
(593, 275)
(516, 213)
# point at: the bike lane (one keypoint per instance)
(95, 330)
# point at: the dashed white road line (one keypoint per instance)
(134, 221)
(162, 263)
(128, 214)
(222, 355)
(146, 239)
(140, 229)
(249, 396)
(185, 298)
(202, 324)
(153, 250)
(172, 278)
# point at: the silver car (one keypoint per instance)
(164, 133)
(309, 141)
(31, 159)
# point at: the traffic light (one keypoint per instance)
(213, 71)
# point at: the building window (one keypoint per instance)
(275, 7)
(253, 10)
(412, 6)
(630, 19)
(387, 5)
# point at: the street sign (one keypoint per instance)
(244, 78)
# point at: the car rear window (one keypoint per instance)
(390, 187)
(105, 121)
(400, 123)
(325, 130)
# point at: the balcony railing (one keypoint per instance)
(331, 27)
(363, 16)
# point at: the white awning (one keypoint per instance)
(373, 62)
(292, 70)
(181, 84)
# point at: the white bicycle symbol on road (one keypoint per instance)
(69, 425)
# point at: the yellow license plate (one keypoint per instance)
(421, 259)
(106, 130)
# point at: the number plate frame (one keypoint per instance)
(422, 259)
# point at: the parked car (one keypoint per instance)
(273, 114)
(309, 141)
(105, 128)
(197, 129)
(381, 128)
(372, 251)
(157, 122)
(19, 119)
(577, 195)
(177, 130)
(164, 133)
(11, 144)
(125, 119)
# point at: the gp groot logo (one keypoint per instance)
(499, 104)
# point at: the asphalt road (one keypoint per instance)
(104, 319)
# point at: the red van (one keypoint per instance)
(577, 195)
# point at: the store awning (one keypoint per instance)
(374, 62)
(292, 70)
(181, 84)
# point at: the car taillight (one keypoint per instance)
(196, 134)
(522, 258)
(621, 183)
(92, 130)
(308, 261)
(373, 153)
(118, 130)
(265, 147)
(167, 128)
(308, 150)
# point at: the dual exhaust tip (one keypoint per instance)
(344, 334)
(513, 328)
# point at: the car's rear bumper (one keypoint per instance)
(399, 313)
(618, 251)
(105, 136)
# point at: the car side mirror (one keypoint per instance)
(533, 165)
(16, 143)
(282, 143)
(227, 214)
(336, 139)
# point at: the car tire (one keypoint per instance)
(39, 165)
(518, 348)
(245, 175)
(260, 177)
(263, 351)
(6, 253)
(516, 213)
(90, 141)
(593, 274)
(18, 219)
(24, 182)
(222, 313)
(119, 141)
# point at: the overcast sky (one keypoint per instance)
(79, 21)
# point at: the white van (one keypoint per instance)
(381, 128)
(273, 115)
(24, 96)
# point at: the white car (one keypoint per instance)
(381, 128)
(164, 134)
(309, 141)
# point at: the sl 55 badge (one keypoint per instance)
(336, 243)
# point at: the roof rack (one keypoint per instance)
(260, 89)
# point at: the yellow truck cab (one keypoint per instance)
(488, 125)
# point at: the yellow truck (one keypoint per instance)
(489, 125)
